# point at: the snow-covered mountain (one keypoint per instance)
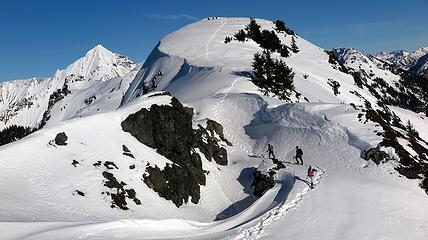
(176, 148)
(398, 57)
(69, 92)
(416, 62)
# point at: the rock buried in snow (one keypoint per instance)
(75, 163)
(120, 194)
(61, 139)
(110, 165)
(375, 154)
(127, 152)
(80, 193)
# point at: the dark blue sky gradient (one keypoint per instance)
(37, 37)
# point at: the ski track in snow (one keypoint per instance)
(255, 231)
(229, 136)
(223, 22)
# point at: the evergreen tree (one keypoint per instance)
(283, 80)
(253, 31)
(334, 85)
(259, 77)
(358, 79)
(240, 35)
(294, 46)
(270, 41)
(284, 51)
(412, 133)
(227, 39)
(280, 26)
(13, 133)
(272, 76)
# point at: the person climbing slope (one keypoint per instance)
(270, 151)
(299, 154)
(311, 173)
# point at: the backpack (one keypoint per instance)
(311, 172)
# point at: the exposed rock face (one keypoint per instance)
(262, 182)
(263, 176)
(55, 97)
(168, 129)
(61, 139)
(211, 148)
(215, 127)
(375, 154)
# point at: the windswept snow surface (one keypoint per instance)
(352, 198)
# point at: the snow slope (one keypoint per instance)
(353, 198)
(24, 102)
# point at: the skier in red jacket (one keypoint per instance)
(311, 173)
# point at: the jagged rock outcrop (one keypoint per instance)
(55, 97)
(263, 176)
(168, 129)
(263, 182)
(211, 148)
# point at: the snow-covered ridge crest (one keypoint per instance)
(195, 62)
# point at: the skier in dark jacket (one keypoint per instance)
(299, 154)
(311, 173)
(270, 151)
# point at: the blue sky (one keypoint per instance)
(38, 37)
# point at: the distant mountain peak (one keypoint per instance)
(100, 51)
(415, 62)
(98, 64)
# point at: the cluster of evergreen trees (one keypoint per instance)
(267, 39)
(272, 75)
(13, 133)
(280, 27)
(334, 85)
